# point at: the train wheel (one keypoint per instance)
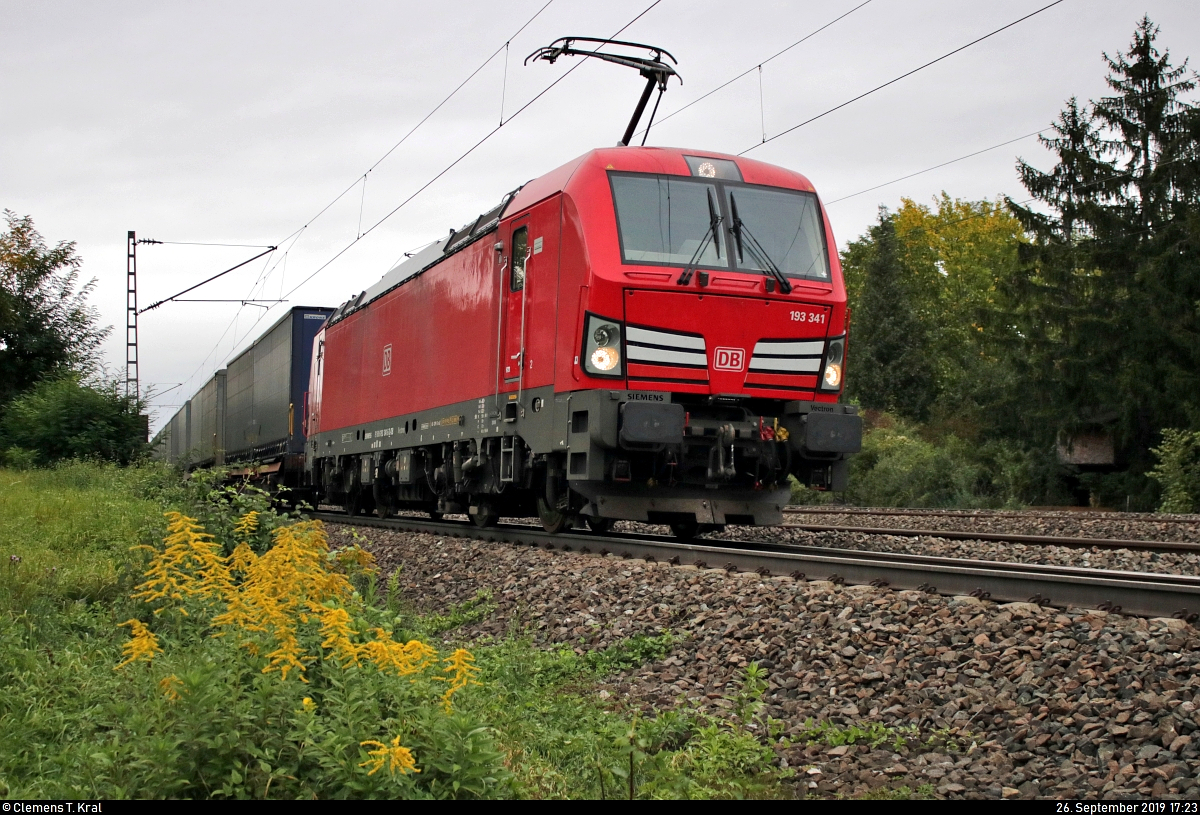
(685, 530)
(485, 515)
(553, 521)
(385, 501)
(599, 525)
(354, 504)
(434, 515)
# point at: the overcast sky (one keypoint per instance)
(238, 122)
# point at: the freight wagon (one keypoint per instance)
(249, 413)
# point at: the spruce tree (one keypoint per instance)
(1108, 289)
(890, 364)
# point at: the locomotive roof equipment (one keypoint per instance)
(652, 68)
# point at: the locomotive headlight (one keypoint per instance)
(831, 378)
(604, 359)
(602, 347)
(833, 375)
(606, 334)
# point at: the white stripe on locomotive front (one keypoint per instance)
(800, 365)
(811, 348)
(643, 335)
(638, 353)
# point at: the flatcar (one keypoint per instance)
(644, 333)
(249, 414)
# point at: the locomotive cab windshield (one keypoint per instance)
(719, 224)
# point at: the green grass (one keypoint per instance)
(564, 741)
(924, 792)
(65, 532)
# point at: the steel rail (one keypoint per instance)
(1080, 513)
(1143, 594)
(1004, 537)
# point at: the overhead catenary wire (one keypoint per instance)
(1023, 202)
(426, 117)
(902, 76)
(935, 167)
(504, 83)
(758, 67)
(967, 156)
(295, 235)
(202, 243)
(233, 322)
(460, 158)
(762, 111)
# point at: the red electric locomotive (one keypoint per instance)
(644, 333)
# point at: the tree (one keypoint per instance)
(1107, 291)
(63, 418)
(890, 364)
(46, 325)
(924, 288)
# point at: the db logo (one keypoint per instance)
(729, 359)
(387, 360)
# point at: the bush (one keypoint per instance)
(1178, 470)
(63, 419)
(904, 464)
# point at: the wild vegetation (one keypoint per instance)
(988, 334)
(56, 400)
(223, 650)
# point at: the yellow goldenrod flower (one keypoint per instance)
(279, 591)
(246, 526)
(142, 644)
(190, 565)
(406, 658)
(267, 599)
(462, 673)
(308, 704)
(335, 628)
(243, 558)
(399, 759)
(169, 685)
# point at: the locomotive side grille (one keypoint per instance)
(794, 357)
(645, 346)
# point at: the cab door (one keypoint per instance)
(514, 293)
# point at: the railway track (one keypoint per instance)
(1143, 594)
(1086, 514)
(1006, 537)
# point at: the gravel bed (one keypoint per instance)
(1021, 701)
(1066, 524)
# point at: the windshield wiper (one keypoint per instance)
(714, 221)
(756, 250)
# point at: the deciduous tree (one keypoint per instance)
(46, 324)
